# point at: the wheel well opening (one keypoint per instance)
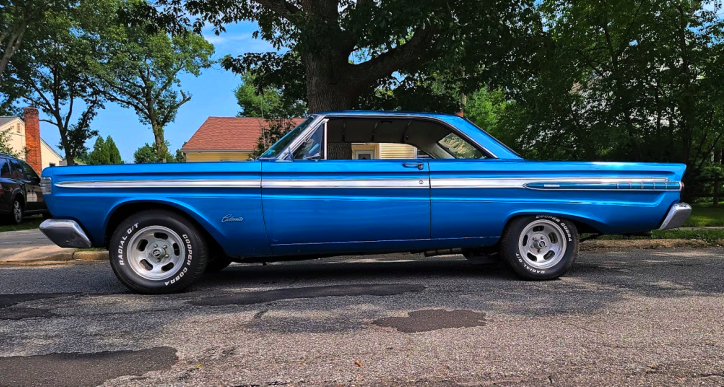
(582, 227)
(126, 210)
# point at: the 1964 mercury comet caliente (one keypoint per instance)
(165, 224)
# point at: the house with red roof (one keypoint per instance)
(226, 139)
(235, 138)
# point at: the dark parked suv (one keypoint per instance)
(20, 192)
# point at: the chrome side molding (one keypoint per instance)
(678, 213)
(65, 233)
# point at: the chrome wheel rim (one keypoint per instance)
(156, 253)
(17, 212)
(542, 244)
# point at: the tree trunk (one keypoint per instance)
(69, 156)
(327, 90)
(160, 141)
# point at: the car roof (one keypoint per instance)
(363, 113)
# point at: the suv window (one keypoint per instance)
(17, 169)
(30, 172)
(4, 168)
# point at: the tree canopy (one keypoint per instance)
(140, 70)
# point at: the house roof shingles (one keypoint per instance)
(228, 134)
(5, 119)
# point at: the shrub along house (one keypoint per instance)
(235, 138)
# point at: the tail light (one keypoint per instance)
(46, 185)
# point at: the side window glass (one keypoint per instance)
(459, 148)
(17, 172)
(4, 168)
(29, 172)
(313, 147)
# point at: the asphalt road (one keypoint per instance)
(645, 317)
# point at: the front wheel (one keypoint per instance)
(540, 247)
(158, 252)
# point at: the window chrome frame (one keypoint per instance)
(288, 153)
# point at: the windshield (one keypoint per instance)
(280, 145)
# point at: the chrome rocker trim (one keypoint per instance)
(678, 213)
(65, 233)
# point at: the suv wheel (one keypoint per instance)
(16, 217)
(158, 252)
(540, 247)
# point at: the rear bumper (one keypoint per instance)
(678, 213)
(65, 233)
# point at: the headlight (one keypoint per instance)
(46, 185)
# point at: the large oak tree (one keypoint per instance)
(335, 51)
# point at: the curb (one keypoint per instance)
(63, 257)
(639, 244)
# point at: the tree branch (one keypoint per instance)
(281, 7)
(394, 59)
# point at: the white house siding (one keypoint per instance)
(397, 151)
(49, 156)
(16, 138)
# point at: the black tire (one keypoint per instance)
(191, 254)
(528, 268)
(14, 217)
(219, 263)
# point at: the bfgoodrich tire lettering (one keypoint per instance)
(540, 247)
(156, 252)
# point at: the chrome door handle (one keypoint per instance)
(419, 166)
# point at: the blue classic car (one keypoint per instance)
(461, 191)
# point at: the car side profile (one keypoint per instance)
(20, 192)
(456, 189)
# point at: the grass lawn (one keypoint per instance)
(28, 224)
(704, 215)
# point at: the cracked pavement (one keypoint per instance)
(635, 317)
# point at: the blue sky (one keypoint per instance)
(212, 95)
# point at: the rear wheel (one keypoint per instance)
(158, 252)
(540, 247)
(16, 212)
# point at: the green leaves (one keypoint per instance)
(139, 68)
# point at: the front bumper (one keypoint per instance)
(678, 213)
(65, 233)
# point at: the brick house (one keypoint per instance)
(24, 135)
(235, 138)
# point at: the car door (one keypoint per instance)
(32, 186)
(7, 185)
(18, 175)
(313, 205)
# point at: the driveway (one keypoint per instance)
(643, 317)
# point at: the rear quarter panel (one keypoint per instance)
(473, 198)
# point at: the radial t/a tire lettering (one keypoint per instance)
(540, 247)
(158, 251)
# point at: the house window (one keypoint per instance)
(51, 164)
(18, 129)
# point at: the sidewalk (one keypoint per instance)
(32, 246)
